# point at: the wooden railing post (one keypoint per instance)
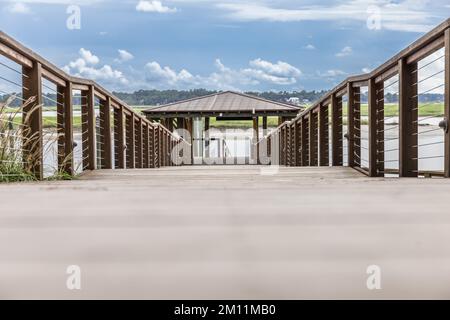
(351, 125)
(65, 128)
(336, 124)
(130, 141)
(324, 152)
(139, 141)
(152, 147)
(447, 103)
(161, 147)
(380, 156)
(146, 146)
(105, 133)
(305, 141)
(408, 106)
(32, 119)
(88, 128)
(288, 145)
(298, 142)
(313, 138)
(119, 138)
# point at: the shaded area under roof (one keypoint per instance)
(226, 103)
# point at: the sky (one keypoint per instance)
(241, 45)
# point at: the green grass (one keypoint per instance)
(391, 109)
(425, 110)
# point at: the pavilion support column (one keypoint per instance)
(264, 125)
(255, 147)
(207, 142)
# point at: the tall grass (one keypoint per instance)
(19, 150)
(15, 164)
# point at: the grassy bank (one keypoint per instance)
(425, 110)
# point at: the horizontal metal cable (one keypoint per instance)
(426, 65)
(389, 85)
(12, 69)
(427, 131)
(429, 77)
(388, 139)
(427, 91)
(427, 118)
(389, 129)
(388, 150)
(58, 103)
(428, 144)
(15, 83)
(430, 157)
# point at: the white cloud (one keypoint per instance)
(310, 47)
(154, 6)
(20, 8)
(156, 73)
(224, 78)
(404, 15)
(366, 70)
(84, 67)
(332, 73)
(124, 56)
(346, 51)
(88, 57)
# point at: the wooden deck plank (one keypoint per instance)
(226, 232)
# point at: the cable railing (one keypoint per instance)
(408, 137)
(67, 125)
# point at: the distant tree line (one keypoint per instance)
(160, 97)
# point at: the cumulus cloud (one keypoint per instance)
(166, 75)
(258, 72)
(346, 51)
(86, 67)
(331, 75)
(154, 6)
(124, 56)
(310, 47)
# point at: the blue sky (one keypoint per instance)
(225, 44)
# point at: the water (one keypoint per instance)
(236, 144)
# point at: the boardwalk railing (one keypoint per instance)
(381, 138)
(112, 134)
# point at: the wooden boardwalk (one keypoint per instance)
(226, 232)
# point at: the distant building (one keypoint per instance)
(294, 100)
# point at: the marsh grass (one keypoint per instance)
(18, 149)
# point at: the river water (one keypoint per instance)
(236, 143)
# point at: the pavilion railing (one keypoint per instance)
(113, 135)
(378, 139)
